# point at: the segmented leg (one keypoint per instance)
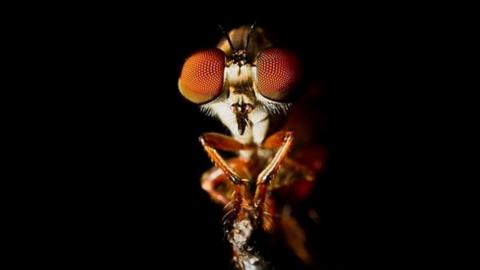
(222, 142)
(217, 184)
(297, 177)
(269, 172)
(295, 236)
(210, 140)
(276, 140)
(284, 139)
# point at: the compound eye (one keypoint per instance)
(277, 73)
(201, 79)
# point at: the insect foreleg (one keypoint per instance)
(220, 162)
(222, 142)
(271, 170)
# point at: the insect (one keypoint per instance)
(245, 83)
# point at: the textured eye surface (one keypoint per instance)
(201, 79)
(277, 73)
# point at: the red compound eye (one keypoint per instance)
(201, 79)
(277, 73)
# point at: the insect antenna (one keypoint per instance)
(227, 36)
(252, 30)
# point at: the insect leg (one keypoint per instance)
(264, 178)
(218, 160)
(222, 142)
(277, 139)
(216, 184)
(286, 139)
(291, 172)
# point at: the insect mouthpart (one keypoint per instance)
(241, 112)
(244, 108)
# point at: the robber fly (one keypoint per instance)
(244, 82)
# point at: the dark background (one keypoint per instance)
(133, 160)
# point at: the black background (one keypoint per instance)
(132, 160)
